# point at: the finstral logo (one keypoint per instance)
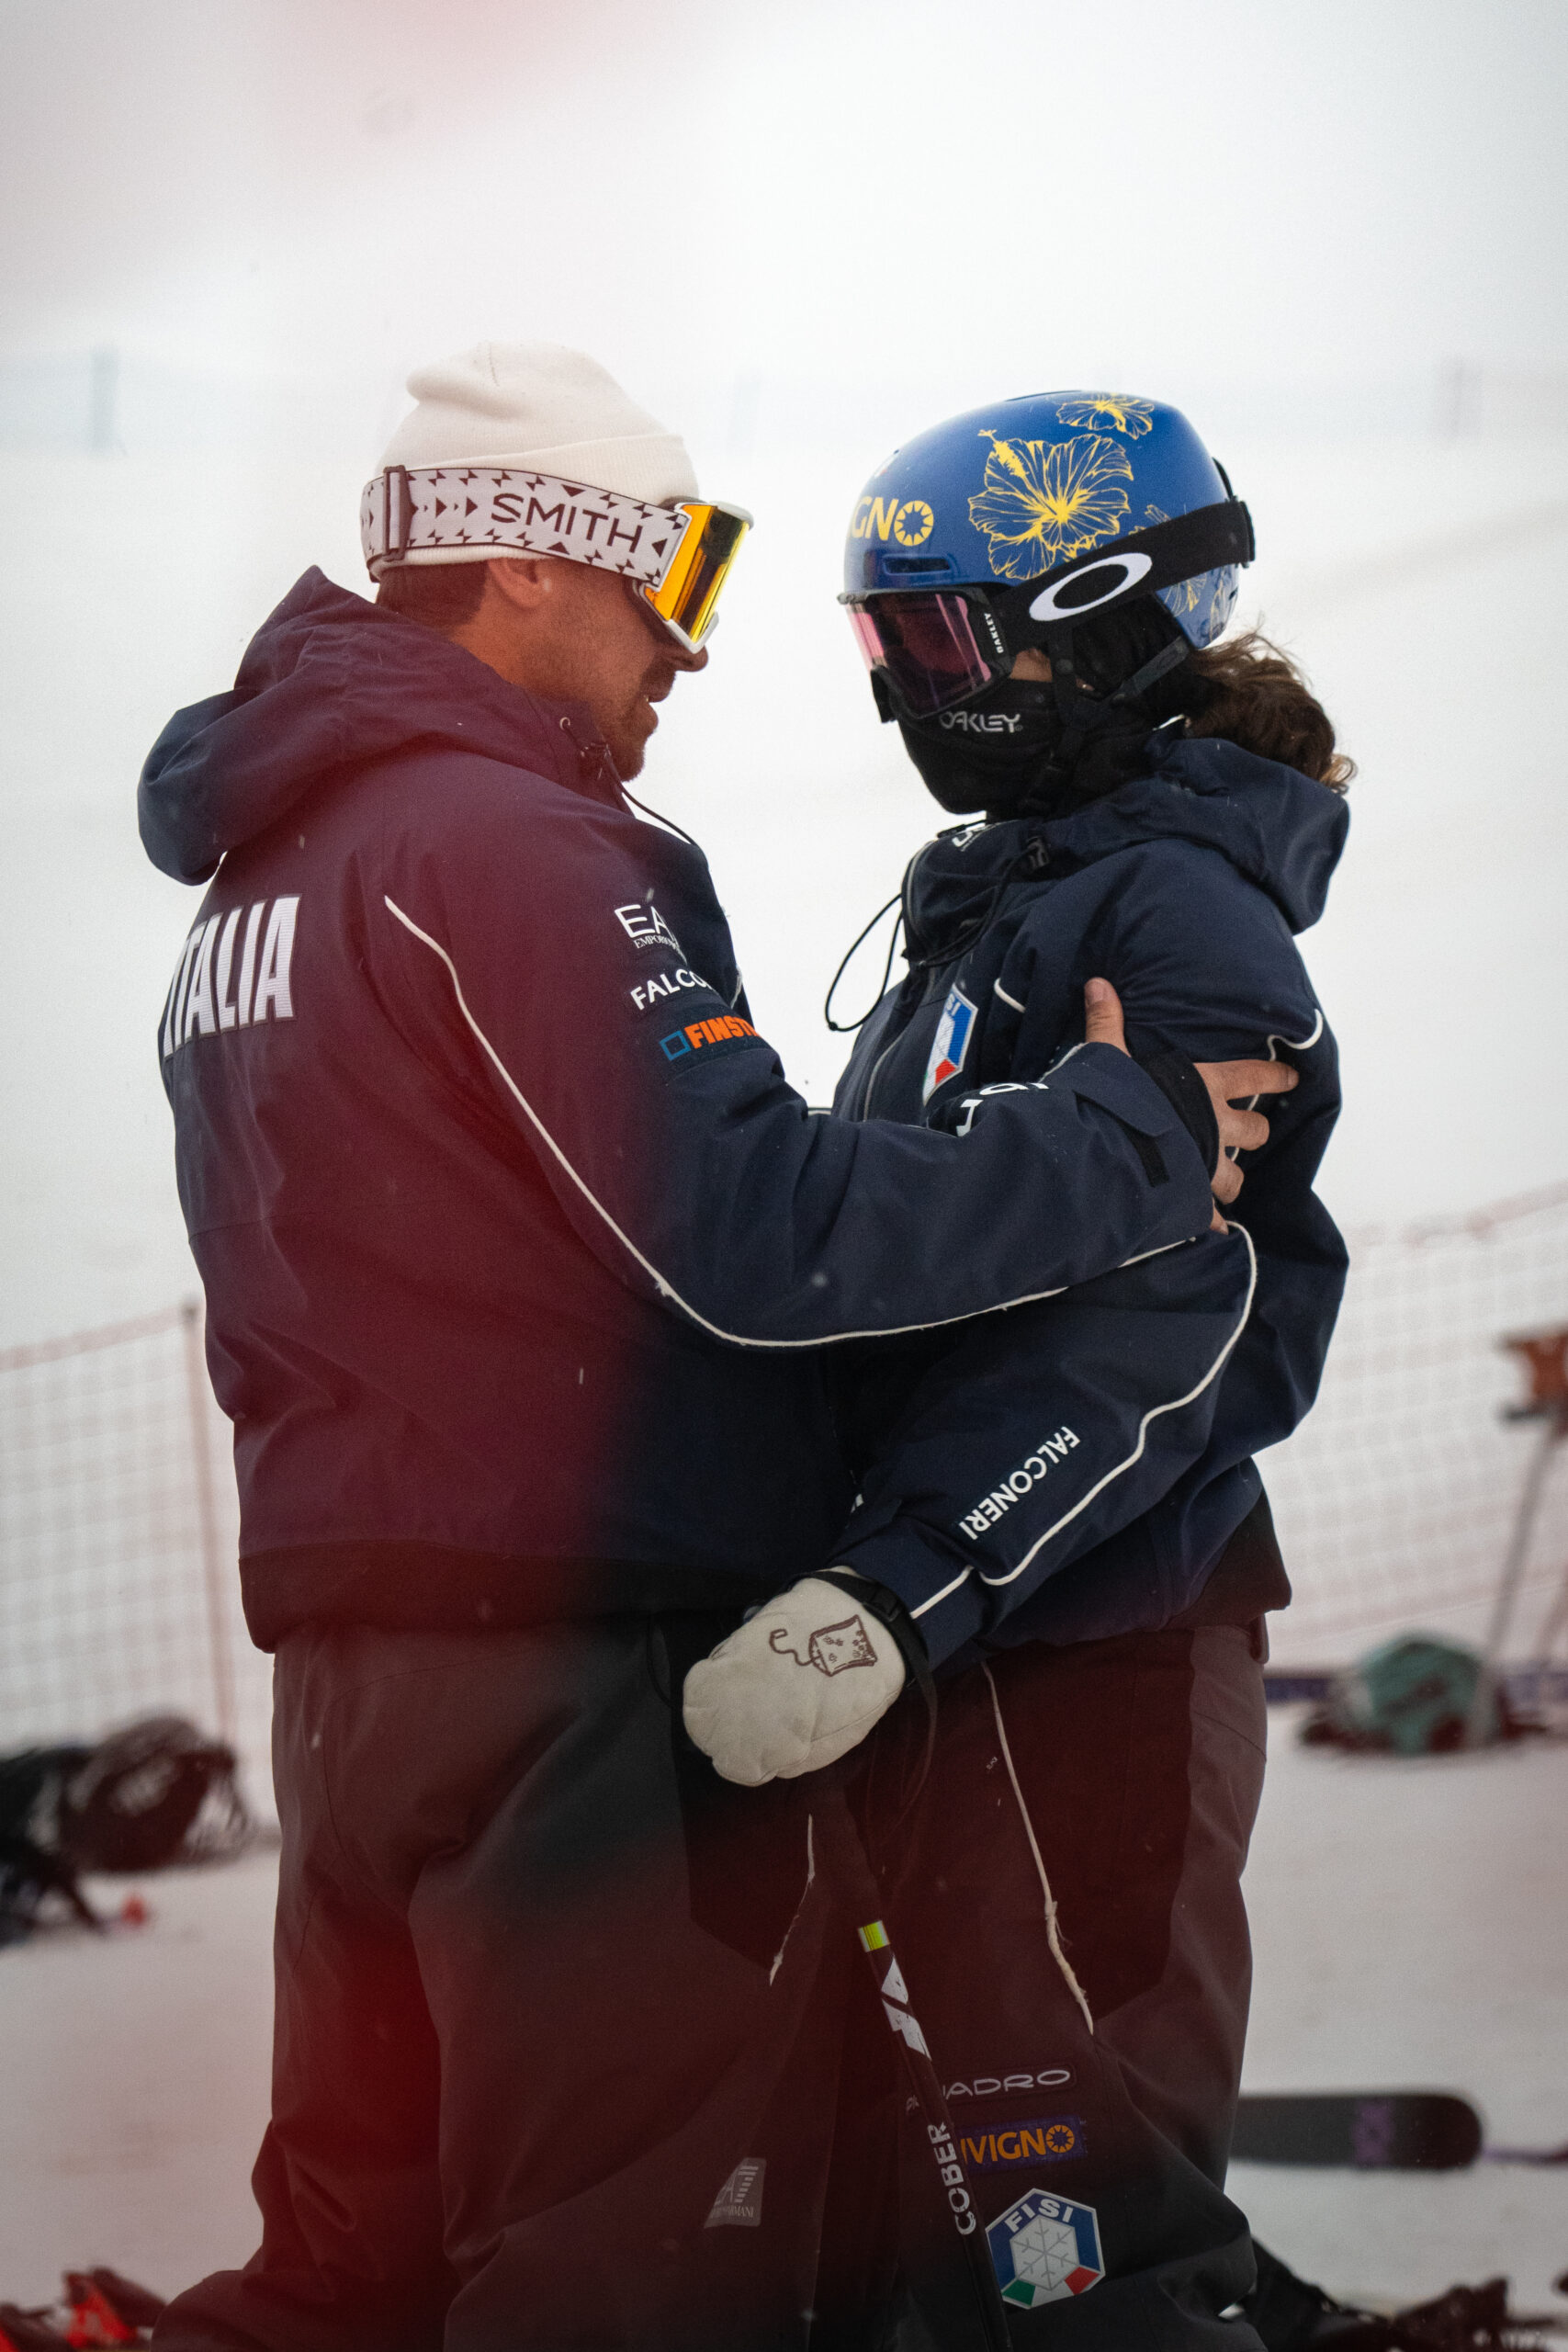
(232, 978)
(727, 1029)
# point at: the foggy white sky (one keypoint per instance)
(1352, 188)
(796, 234)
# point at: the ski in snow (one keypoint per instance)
(1397, 2130)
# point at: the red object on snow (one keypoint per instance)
(94, 2320)
(1545, 1357)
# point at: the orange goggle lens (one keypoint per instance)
(686, 598)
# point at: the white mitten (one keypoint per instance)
(794, 1687)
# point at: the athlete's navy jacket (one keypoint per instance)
(991, 1444)
(519, 1252)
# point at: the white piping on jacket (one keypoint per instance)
(998, 990)
(1057, 1955)
(1155, 1413)
(1297, 1045)
(667, 1289)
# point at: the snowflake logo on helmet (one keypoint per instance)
(1118, 411)
(1044, 502)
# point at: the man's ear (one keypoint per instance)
(525, 581)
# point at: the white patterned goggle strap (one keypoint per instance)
(407, 511)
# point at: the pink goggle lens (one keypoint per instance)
(926, 644)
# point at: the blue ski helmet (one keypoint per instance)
(1003, 528)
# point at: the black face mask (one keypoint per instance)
(987, 755)
(1009, 750)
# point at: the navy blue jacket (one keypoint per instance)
(519, 1252)
(1075, 1468)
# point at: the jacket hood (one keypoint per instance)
(1284, 831)
(330, 681)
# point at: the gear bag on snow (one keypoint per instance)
(1291, 2315)
(97, 2307)
(153, 1793)
(1411, 1697)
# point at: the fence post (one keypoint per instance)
(207, 1523)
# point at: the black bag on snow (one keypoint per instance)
(154, 1793)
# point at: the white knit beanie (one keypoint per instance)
(538, 407)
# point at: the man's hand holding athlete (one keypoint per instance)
(805, 1678)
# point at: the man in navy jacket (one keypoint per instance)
(520, 1258)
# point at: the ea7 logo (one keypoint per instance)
(646, 927)
(908, 521)
(228, 980)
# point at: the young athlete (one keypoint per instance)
(1039, 589)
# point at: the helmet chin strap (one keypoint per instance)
(1169, 657)
(1083, 713)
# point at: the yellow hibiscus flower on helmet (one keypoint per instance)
(1118, 411)
(1043, 502)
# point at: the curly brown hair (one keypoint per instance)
(1255, 696)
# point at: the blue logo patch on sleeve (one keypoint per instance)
(1044, 2249)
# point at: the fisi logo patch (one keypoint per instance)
(1044, 2249)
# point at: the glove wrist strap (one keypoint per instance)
(880, 1602)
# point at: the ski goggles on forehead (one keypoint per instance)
(678, 556)
(937, 647)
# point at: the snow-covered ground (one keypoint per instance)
(1411, 1929)
(1411, 1922)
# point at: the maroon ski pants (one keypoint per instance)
(555, 2040)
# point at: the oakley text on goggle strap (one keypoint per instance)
(679, 555)
(937, 645)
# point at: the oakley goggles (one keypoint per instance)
(677, 557)
(936, 647)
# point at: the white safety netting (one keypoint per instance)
(1396, 1499)
(1395, 1502)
